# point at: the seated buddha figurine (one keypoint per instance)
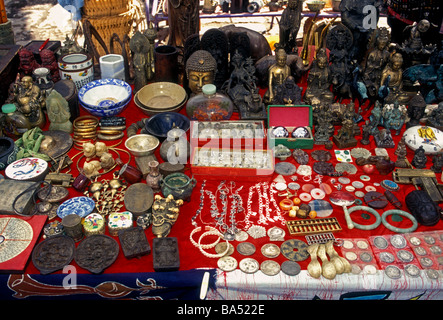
(392, 79)
(200, 70)
(27, 96)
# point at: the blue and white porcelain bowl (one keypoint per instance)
(105, 97)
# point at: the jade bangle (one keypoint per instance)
(367, 209)
(401, 213)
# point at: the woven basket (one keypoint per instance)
(107, 26)
(105, 8)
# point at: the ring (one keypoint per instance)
(401, 213)
(286, 204)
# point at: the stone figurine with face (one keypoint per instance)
(200, 70)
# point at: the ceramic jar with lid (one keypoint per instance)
(209, 105)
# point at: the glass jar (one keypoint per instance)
(15, 123)
(209, 105)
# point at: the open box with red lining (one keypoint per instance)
(290, 117)
(243, 164)
(229, 134)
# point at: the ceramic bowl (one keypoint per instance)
(141, 145)
(105, 97)
(158, 125)
(315, 5)
(158, 97)
(8, 151)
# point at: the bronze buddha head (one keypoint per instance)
(200, 70)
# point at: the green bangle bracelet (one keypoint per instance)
(401, 213)
(367, 209)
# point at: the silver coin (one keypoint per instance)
(227, 263)
(249, 265)
(415, 241)
(291, 268)
(412, 270)
(348, 244)
(426, 262)
(435, 250)
(276, 234)
(351, 256)
(393, 272)
(405, 256)
(429, 239)
(362, 244)
(355, 269)
(366, 257)
(420, 251)
(241, 236)
(432, 274)
(369, 269)
(398, 241)
(221, 247)
(246, 248)
(387, 257)
(380, 242)
(440, 260)
(270, 267)
(270, 250)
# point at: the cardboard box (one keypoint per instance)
(236, 134)
(236, 164)
(290, 117)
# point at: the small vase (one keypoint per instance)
(154, 177)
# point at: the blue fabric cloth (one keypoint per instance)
(73, 6)
(176, 285)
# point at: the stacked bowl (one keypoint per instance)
(158, 97)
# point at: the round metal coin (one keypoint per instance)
(415, 241)
(241, 235)
(227, 263)
(432, 274)
(221, 247)
(412, 270)
(426, 262)
(365, 257)
(276, 234)
(405, 256)
(291, 268)
(393, 272)
(270, 250)
(435, 250)
(387, 257)
(270, 267)
(370, 269)
(429, 239)
(362, 244)
(420, 251)
(351, 256)
(398, 241)
(249, 265)
(380, 242)
(246, 248)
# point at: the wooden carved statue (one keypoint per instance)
(139, 46)
(184, 21)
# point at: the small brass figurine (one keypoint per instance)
(165, 212)
(377, 59)
(200, 70)
(140, 45)
(345, 136)
(319, 80)
(29, 100)
(392, 79)
(277, 74)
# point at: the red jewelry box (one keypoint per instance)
(290, 117)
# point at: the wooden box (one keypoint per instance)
(290, 117)
(9, 63)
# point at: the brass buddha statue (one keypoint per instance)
(277, 74)
(200, 70)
